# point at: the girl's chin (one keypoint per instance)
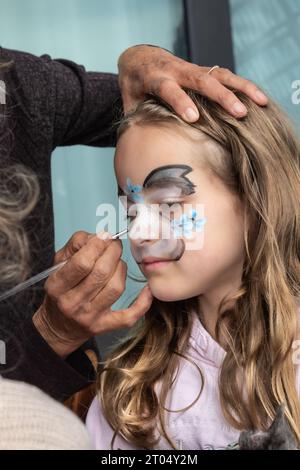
(165, 294)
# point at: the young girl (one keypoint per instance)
(217, 351)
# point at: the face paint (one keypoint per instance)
(171, 176)
(170, 248)
(133, 191)
(163, 183)
(187, 223)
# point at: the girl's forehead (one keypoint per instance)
(143, 151)
(143, 148)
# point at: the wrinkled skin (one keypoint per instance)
(147, 69)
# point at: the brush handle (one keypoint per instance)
(38, 277)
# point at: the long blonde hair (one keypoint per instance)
(262, 165)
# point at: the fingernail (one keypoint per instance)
(260, 96)
(191, 115)
(239, 108)
(104, 235)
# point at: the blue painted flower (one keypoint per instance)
(134, 190)
(199, 222)
(184, 226)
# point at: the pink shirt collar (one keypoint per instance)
(203, 344)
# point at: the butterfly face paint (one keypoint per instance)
(164, 186)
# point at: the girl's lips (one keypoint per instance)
(153, 259)
(154, 263)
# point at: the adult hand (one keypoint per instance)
(149, 69)
(79, 295)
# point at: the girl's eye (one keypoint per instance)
(130, 217)
(174, 205)
(170, 204)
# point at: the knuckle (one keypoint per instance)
(129, 321)
(64, 305)
(226, 73)
(116, 290)
(101, 275)
(229, 78)
(113, 293)
(96, 242)
(162, 86)
(225, 96)
(82, 265)
(87, 309)
(203, 81)
(78, 235)
(77, 240)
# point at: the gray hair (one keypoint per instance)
(19, 191)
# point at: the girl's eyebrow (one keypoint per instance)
(171, 175)
(167, 175)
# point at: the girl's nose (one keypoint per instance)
(145, 226)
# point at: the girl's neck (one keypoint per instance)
(209, 301)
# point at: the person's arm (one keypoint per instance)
(30, 359)
(87, 104)
(46, 351)
(61, 102)
(80, 107)
(49, 103)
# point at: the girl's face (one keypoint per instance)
(198, 245)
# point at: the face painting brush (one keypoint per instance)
(38, 277)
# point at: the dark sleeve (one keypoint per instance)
(87, 105)
(65, 104)
(30, 359)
